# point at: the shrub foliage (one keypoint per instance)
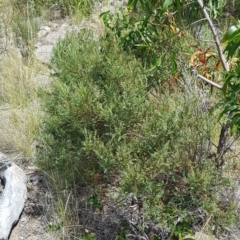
(101, 118)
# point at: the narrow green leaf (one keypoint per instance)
(234, 20)
(222, 114)
(103, 14)
(236, 37)
(229, 34)
(121, 235)
(166, 4)
(235, 120)
(174, 65)
(131, 4)
(232, 48)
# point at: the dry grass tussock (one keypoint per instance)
(19, 111)
(19, 80)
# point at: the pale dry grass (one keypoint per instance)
(15, 81)
(19, 107)
(21, 130)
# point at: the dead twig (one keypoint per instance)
(209, 81)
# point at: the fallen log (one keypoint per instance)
(12, 196)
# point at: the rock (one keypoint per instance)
(13, 196)
(45, 28)
(43, 53)
(53, 25)
(200, 236)
(53, 37)
(65, 26)
(2, 156)
(42, 33)
(203, 236)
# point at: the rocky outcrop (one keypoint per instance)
(57, 28)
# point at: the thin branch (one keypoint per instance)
(222, 148)
(201, 20)
(222, 143)
(215, 36)
(195, 73)
(209, 81)
(231, 142)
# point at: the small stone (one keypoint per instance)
(38, 44)
(42, 27)
(2, 156)
(23, 219)
(65, 26)
(42, 33)
(47, 29)
(203, 236)
(53, 25)
(53, 37)
(43, 53)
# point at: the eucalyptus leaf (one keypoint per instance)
(230, 33)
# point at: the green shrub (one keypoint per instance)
(145, 33)
(100, 117)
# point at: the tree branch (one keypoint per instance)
(209, 81)
(222, 148)
(215, 36)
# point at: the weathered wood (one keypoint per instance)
(209, 81)
(12, 199)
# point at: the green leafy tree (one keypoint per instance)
(231, 88)
(152, 31)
